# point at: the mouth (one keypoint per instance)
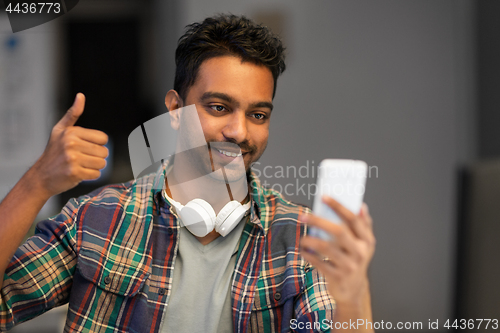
(228, 153)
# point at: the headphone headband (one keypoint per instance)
(199, 217)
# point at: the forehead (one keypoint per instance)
(232, 76)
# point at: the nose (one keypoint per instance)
(236, 129)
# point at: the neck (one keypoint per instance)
(183, 184)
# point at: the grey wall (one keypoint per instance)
(392, 83)
(27, 99)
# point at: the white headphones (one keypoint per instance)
(199, 217)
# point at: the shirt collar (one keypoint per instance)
(256, 196)
(159, 182)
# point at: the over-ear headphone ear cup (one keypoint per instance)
(228, 217)
(199, 217)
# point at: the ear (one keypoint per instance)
(173, 102)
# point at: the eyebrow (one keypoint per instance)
(229, 99)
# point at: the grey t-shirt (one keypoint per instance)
(200, 300)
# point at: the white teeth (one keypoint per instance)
(229, 153)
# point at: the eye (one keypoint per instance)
(218, 108)
(259, 116)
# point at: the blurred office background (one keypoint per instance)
(407, 86)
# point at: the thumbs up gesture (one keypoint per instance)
(72, 154)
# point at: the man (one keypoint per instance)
(119, 255)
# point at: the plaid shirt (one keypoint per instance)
(105, 255)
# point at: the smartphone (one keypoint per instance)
(343, 180)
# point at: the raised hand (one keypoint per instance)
(72, 154)
(344, 260)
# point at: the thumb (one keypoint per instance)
(73, 113)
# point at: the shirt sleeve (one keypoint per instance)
(40, 274)
(314, 308)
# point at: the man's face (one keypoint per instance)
(234, 102)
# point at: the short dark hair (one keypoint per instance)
(226, 35)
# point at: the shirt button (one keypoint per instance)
(170, 231)
(107, 280)
(277, 296)
(161, 291)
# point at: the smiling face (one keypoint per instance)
(234, 102)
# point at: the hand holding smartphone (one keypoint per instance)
(344, 181)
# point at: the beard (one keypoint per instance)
(228, 158)
(215, 172)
